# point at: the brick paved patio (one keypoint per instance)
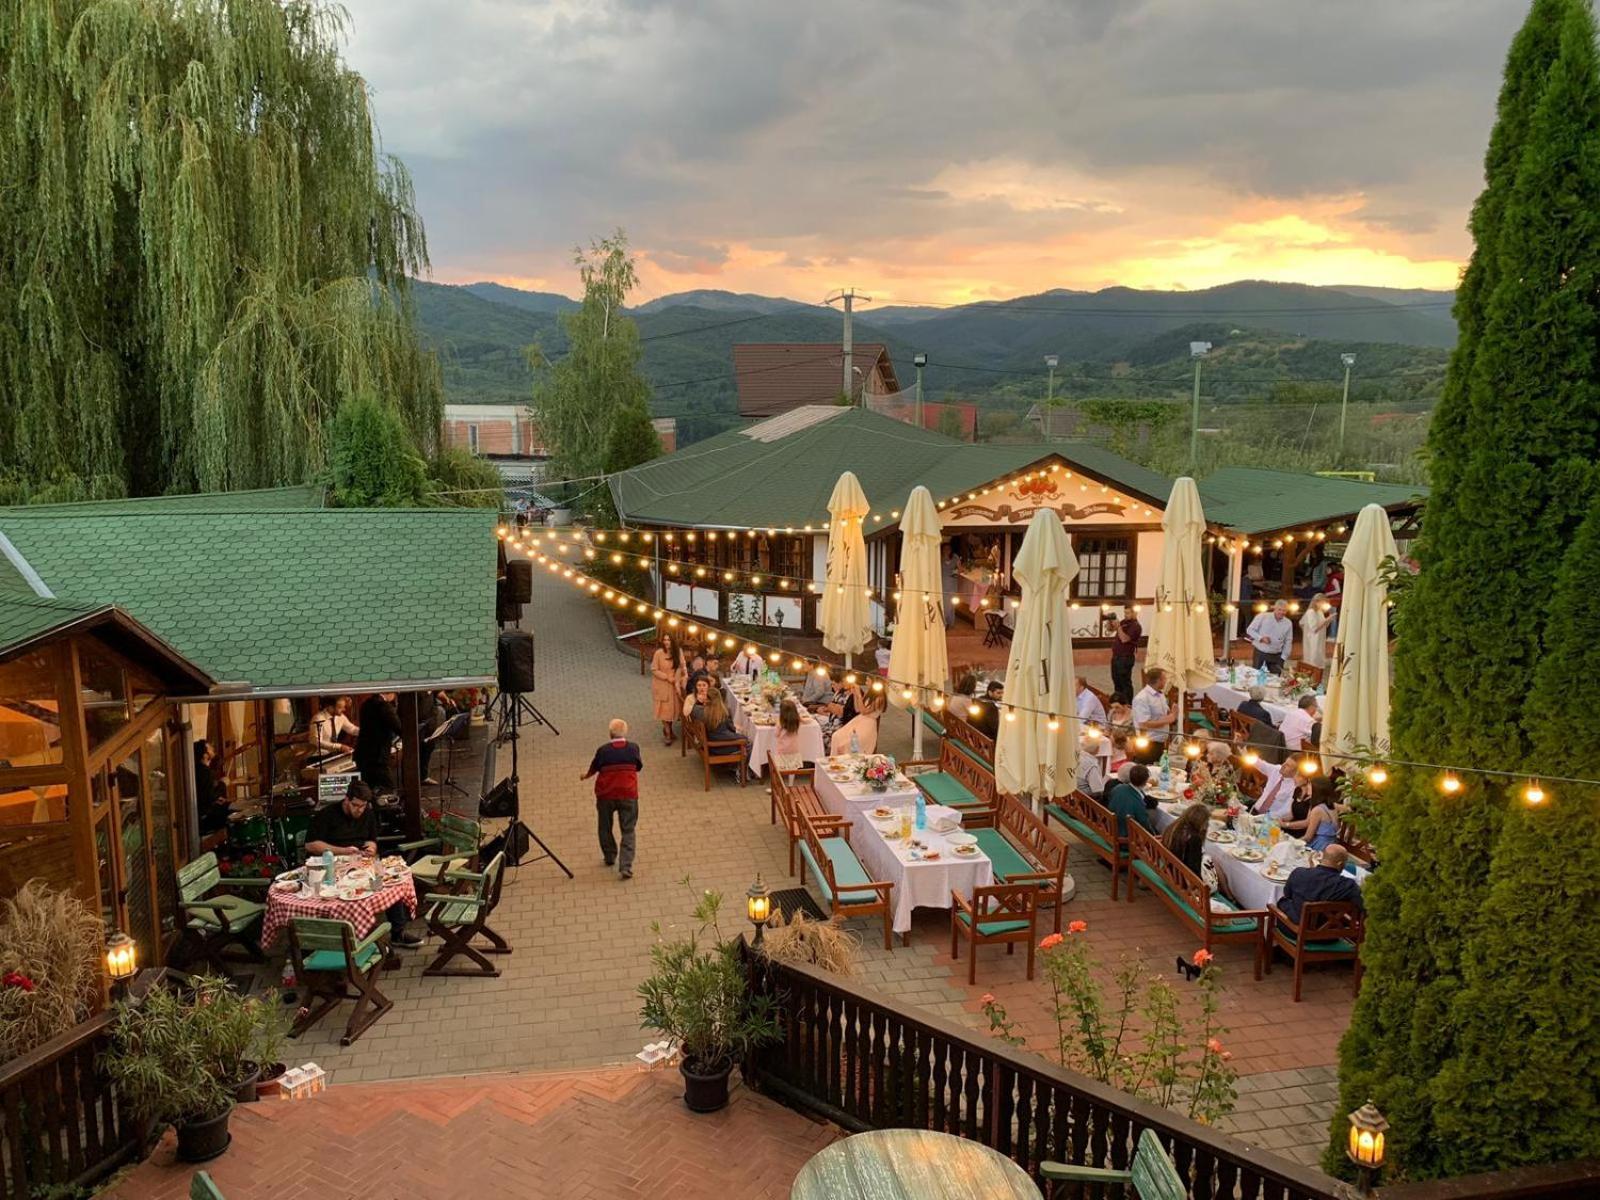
(565, 998)
(594, 1135)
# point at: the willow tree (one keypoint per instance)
(202, 250)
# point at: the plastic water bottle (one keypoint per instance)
(1233, 674)
(922, 811)
(327, 869)
(1166, 773)
(855, 748)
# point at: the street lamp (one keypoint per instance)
(1197, 351)
(1367, 1130)
(122, 958)
(1349, 360)
(758, 906)
(919, 361)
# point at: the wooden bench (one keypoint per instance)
(1096, 826)
(980, 744)
(796, 801)
(724, 752)
(842, 880)
(960, 779)
(1152, 1174)
(1328, 931)
(1215, 918)
(1022, 849)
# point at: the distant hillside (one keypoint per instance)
(1118, 341)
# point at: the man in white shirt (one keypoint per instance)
(1298, 722)
(1277, 794)
(1090, 710)
(1152, 715)
(1271, 635)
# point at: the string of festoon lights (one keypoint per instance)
(1374, 769)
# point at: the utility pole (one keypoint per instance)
(1197, 351)
(1349, 360)
(848, 295)
(919, 360)
(1050, 360)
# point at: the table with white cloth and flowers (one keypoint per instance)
(1253, 879)
(1229, 693)
(923, 876)
(757, 722)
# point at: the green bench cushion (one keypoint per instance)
(241, 913)
(972, 754)
(944, 788)
(929, 721)
(1331, 946)
(333, 960)
(993, 928)
(1087, 832)
(1150, 874)
(1007, 860)
(848, 872)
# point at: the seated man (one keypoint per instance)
(987, 720)
(351, 827)
(1090, 710)
(1129, 802)
(1254, 709)
(1298, 723)
(1326, 881)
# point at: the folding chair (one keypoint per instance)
(328, 962)
(215, 922)
(456, 849)
(459, 917)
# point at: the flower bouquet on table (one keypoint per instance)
(1293, 685)
(250, 866)
(772, 694)
(877, 772)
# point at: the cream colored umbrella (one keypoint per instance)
(1355, 711)
(1041, 684)
(1180, 630)
(845, 615)
(919, 661)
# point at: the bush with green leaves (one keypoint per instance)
(373, 459)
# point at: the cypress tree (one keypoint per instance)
(202, 251)
(1512, 461)
(375, 464)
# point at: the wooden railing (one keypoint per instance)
(62, 1124)
(854, 1057)
(1554, 1181)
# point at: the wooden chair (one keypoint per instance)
(1240, 727)
(457, 849)
(1214, 919)
(459, 918)
(1352, 841)
(842, 880)
(1151, 1176)
(201, 1187)
(723, 752)
(1328, 931)
(1005, 913)
(1096, 825)
(994, 628)
(979, 745)
(213, 923)
(329, 962)
(1022, 849)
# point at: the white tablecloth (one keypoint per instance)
(916, 884)
(1231, 698)
(762, 737)
(1246, 883)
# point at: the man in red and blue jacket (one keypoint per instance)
(615, 770)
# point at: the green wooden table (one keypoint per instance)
(911, 1164)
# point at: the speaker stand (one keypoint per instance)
(509, 710)
(511, 714)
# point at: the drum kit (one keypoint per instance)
(275, 824)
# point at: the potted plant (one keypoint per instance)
(164, 1071)
(245, 1033)
(698, 996)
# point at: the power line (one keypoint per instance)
(1012, 306)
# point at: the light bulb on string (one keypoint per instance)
(1249, 758)
(1053, 724)
(1450, 785)
(1141, 742)
(1011, 714)
(1377, 775)
(1533, 795)
(1191, 750)
(1308, 765)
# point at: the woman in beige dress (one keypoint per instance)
(1314, 624)
(667, 678)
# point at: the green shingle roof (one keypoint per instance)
(1255, 500)
(26, 619)
(735, 479)
(307, 495)
(283, 599)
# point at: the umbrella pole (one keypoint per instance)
(916, 731)
(1182, 713)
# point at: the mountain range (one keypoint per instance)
(990, 352)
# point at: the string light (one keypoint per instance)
(1141, 742)
(1308, 765)
(1053, 724)
(1377, 776)
(1250, 758)
(1533, 795)
(1450, 785)
(1191, 750)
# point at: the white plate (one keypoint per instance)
(965, 851)
(961, 839)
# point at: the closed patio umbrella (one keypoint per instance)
(1041, 684)
(1180, 631)
(1355, 711)
(918, 658)
(845, 614)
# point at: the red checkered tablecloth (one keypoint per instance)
(363, 913)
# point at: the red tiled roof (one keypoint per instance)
(774, 377)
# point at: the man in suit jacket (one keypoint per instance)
(380, 729)
(1328, 881)
(1128, 801)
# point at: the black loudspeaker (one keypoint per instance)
(519, 580)
(506, 610)
(516, 661)
(499, 801)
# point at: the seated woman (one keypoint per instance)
(705, 704)
(1315, 817)
(1186, 837)
(1215, 768)
(842, 705)
(1119, 752)
(966, 692)
(863, 727)
(786, 745)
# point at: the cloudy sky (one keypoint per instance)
(941, 150)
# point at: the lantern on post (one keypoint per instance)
(758, 906)
(122, 958)
(1367, 1130)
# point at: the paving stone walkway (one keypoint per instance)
(566, 996)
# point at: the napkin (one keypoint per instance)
(1290, 852)
(942, 819)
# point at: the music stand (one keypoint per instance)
(450, 730)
